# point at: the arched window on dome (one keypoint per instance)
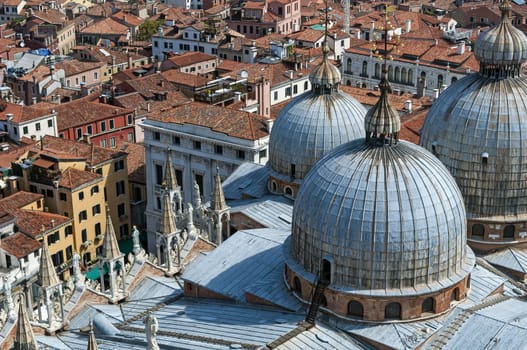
(364, 69)
(397, 74)
(297, 286)
(377, 71)
(428, 306)
(325, 274)
(288, 191)
(440, 81)
(273, 186)
(410, 79)
(455, 294)
(478, 230)
(348, 66)
(348, 83)
(392, 311)
(355, 309)
(508, 232)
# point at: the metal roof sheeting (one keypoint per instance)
(249, 179)
(509, 258)
(229, 270)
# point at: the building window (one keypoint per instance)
(94, 189)
(81, 195)
(79, 134)
(49, 193)
(428, 305)
(25, 130)
(96, 209)
(176, 140)
(305, 85)
(287, 91)
(275, 97)
(240, 154)
(119, 165)
(68, 230)
(508, 231)
(112, 142)
(121, 210)
(69, 252)
(159, 174)
(89, 130)
(84, 235)
(103, 143)
(197, 145)
(355, 309)
(123, 230)
(263, 153)
(83, 215)
(478, 230)
(98, 171)
(199, 181)
(97, 228)
(218, 149)
(103, 126)
(392, 311)
(157, 136)
(130, 137)
(119, 187)
(111, 124)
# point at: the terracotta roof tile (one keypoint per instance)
(94, 155)
(19, 245)
(18, 200)
(233, 123)
(106, 26)
(73, 67)
(31, 221)
(137, 102)
(80, 112)
(72, 178)
(135, 161)
(180, 78)
(189, 58)
(147, 86)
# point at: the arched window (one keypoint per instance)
(297, 286)
(410, 79)
(439, 81)
(326, 271)
(273, 186)
(377, 70)
(423, 76)
(348, 83)
(390, 73)
(397, 74)
(392, 311)
(288, 191)
(478, 230)
(428, 305)
(365, 69)
(508, 231)
(355, 309)
(348, 66)
(454, 79)
(404, 77)
(455, 294)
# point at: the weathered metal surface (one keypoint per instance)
(387, 217)
(309, 127)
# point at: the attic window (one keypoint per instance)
(484, 158)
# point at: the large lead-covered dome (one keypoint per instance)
(388, 217)
(478, 126)
(312, 125)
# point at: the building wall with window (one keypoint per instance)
(196, 151)
(18, 125)
(162, 45)
(106, 125)
(290, 89)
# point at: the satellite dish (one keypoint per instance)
(244, 74)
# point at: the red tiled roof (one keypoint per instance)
(189, 58)
(19, 245)
(233, 123)
(106, 26)
(18, 200)
(80, 112)
(72, 178)
(31, 222)
(94, 155)
(135, 161)
(73, 67)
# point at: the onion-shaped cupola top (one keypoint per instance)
(382, 121)
(325, 78)
(502, 49)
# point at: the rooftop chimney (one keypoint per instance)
(461, 48)
(408, 106)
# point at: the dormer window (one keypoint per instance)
(484, 158)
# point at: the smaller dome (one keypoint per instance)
(383, 120)
(503, 45)
(326, 74)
